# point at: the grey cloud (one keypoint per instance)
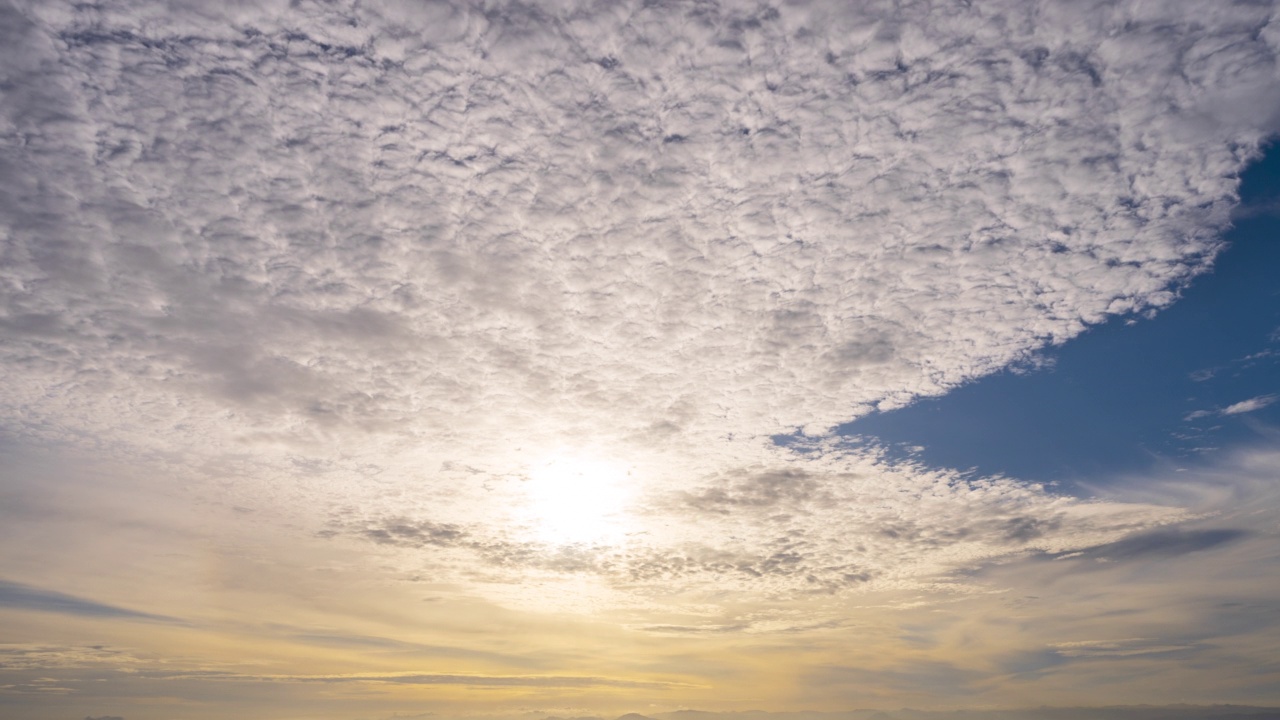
(788, 557)
(424, 534)
(26, 597)
(761, 490)
(1122, 648)
(18, 656)
(1025, 529)
(414, 534)
(1042, 662)
(1168, 543)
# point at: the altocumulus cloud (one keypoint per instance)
(424, 241)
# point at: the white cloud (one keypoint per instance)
(1244, 406)
(388, 256)
(1247, 406)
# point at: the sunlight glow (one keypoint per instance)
(573, 499)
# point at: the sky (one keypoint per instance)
(396, 358)
(1129, 394)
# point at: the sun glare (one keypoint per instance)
(578, 500)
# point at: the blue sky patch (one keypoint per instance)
(1133, 393)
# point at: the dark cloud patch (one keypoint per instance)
(767, 490)
(924, 534)
(410, 533)
(1027, 528)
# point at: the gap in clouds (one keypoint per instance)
(1132, 394)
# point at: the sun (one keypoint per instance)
(578, 500)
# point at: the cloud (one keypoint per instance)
(550, 681)
(401, 647)
(1115, 648)
(1244, 406)
(832, 523)
(1160, 543)
(609, 214)
(1152, 607)
(25, 597)
(360, 267)
(1247, 406)
(447, 239)
(414, 534)
(34, 656)
(767, 490)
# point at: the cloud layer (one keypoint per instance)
(356, 270)
(460, 225)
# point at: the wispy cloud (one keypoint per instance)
(1127, 647)
(1250, 405)
(25, 597)
(550, 681)
(1239, 408)
(402, 647)
(44, 657)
